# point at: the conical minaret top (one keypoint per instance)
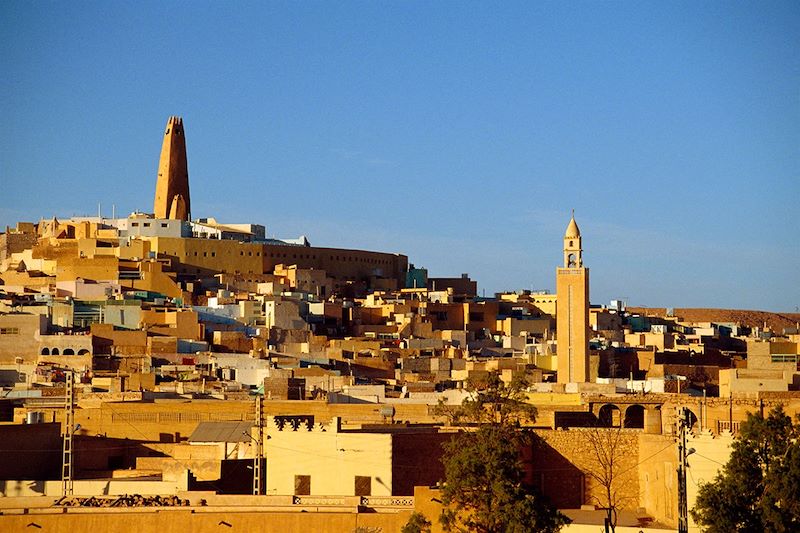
(572, 245)
(572, 228)
(172, 187)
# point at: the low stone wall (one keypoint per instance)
(202, 520)
(570, 455)
(86, 487)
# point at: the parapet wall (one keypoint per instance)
(204, 520)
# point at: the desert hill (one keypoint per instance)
(777, 322)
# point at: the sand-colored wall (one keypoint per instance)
(711, 452)
(199, 520)
(209, 256)
(568, 454)
(20, 336)
(171, 420)
(92, 487)
(658, 479)
(332, 459)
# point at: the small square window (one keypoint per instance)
(302, 485)
(363, 486)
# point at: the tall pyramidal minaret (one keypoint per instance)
(172, 187)
(572, 310)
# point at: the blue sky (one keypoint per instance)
(458, 133)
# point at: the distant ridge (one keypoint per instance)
(775, 321)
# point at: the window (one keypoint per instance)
(213, 254)
(163, 224)
(302, 485)
(363, 486)
(135, 224)
(146, 224)
(9, 331)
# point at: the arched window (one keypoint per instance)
(609, 416)
(634, 417)
(571, 260)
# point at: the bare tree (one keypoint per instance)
(606, 467)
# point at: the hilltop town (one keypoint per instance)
(159, 360)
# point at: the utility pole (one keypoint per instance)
(69, 429)
(258, 458)
(683, 453)
(730, 412)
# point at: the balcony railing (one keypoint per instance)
(725, 425)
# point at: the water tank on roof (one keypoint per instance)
(34, 417)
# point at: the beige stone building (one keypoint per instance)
(305, 457)
(21, 336)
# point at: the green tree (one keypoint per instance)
(417, 523)
(759, 488)
(484, 489)
(491, 401)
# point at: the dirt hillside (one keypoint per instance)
(775, 321)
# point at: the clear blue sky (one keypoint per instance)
(458, 133)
